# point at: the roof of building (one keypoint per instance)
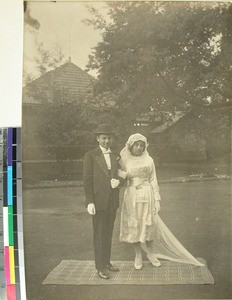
(197, 111)
(68, 76)
(164, 126)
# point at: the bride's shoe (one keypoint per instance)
(155, 262)
(138, 264)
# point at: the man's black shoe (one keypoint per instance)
(103, 274)
(112, 268)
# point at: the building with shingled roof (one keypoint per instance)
(67, 76)
(68, 81)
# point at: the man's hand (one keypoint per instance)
(157, 206)
(114, 183)
(91, 209)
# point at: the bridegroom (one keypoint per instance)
(101, 181)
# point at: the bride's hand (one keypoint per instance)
(157, 206)
(122, 174)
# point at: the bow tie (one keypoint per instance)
(106, 151)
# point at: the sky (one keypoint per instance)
(61, 25)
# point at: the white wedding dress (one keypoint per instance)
(139, 220)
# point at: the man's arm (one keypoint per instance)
(88, 178)
(122, 175)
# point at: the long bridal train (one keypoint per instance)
(166, 246)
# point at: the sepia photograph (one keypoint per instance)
(126, 149)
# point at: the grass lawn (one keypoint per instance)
(57, 227)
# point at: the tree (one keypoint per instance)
(64, 120)
(163, 57)
(58, 113)
(47, 60)
(28, 19)
(59, 120)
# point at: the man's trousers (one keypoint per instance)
(103, 224)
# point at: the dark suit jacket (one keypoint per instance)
(97, 179)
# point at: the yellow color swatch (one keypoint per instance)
(12, 264)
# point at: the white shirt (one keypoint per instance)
(106, 154)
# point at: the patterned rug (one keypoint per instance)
(77, 272)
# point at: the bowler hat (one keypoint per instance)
(104, 129)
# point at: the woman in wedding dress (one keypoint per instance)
(140, 223)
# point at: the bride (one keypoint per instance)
(140, 223)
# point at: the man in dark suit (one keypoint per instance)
(101, 181)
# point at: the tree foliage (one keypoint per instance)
(158, 56)
(59, 116)
(28, 19)
(47, 60)
(60, 123)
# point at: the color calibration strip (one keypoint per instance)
(12, 271)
